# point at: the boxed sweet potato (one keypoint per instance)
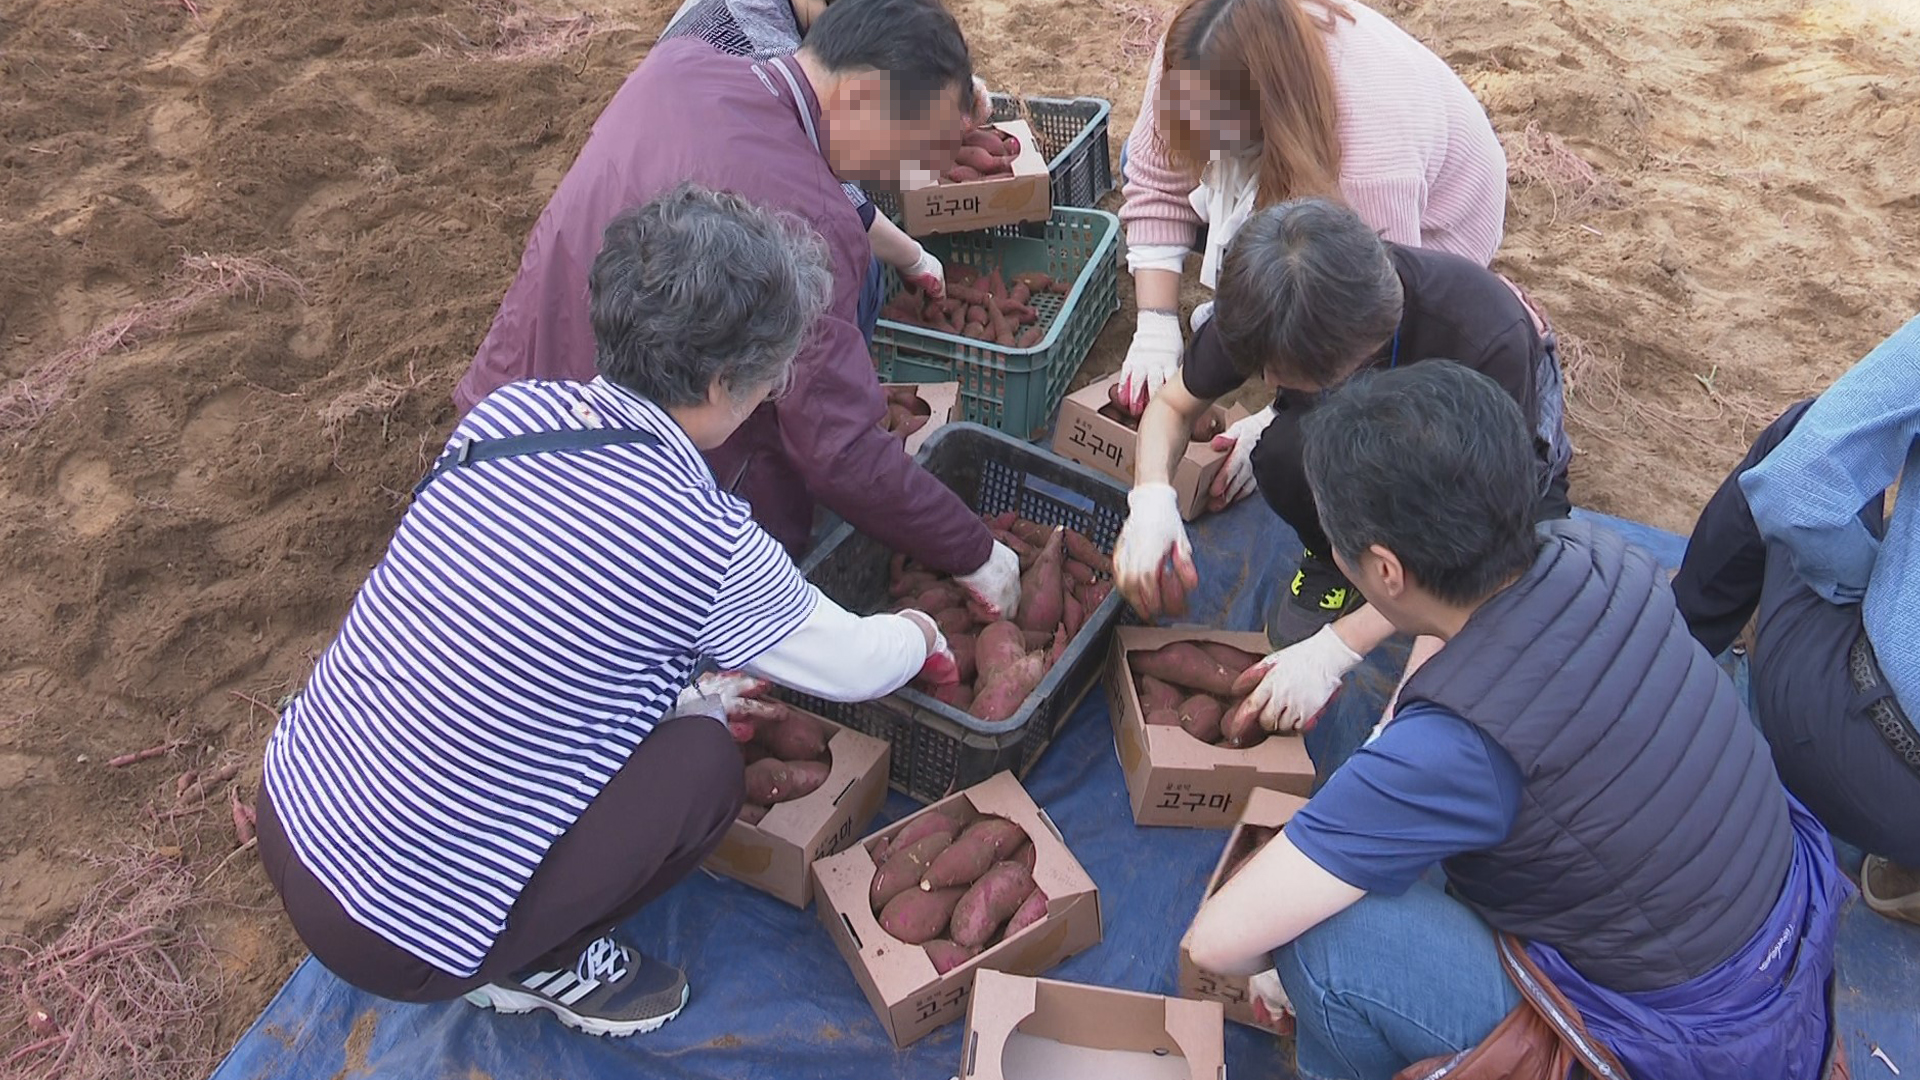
(924, 408)
(976, 881)
(1094, 432)
(775, 853)
(1021, 1028)
(1174, 776)
(1266, 812)
(932, 203)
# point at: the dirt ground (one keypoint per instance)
(249, 248)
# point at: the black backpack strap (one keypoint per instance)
(544, 442)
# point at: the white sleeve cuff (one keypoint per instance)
(1170, 257)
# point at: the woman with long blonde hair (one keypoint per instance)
(1250, 103)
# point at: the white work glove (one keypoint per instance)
(1235, 481)
(1289, 689)
(1152, 560)
(941, 668)
(995, 587)
(717, 693)
(1269, 999)
(982, 102)
(927, 274)
(1202, 315)
(1152, 359)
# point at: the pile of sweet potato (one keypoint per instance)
(1211, 423)
(984, 152)
(907, 411)
(1064, 577)
(955, 883)
(1189, 685)
(983, 307)
(785, 751)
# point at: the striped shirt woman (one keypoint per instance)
(486, 770)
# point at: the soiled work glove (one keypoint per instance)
(941, 668)
(1236, 481)
(1152, 560)
(1289, 689)
(995, 587)
(718, 693)
(1152, 359)
(927, 273)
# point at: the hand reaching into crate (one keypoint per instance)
(986, 308)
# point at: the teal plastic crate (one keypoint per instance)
(1005, 388)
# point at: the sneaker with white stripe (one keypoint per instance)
(612, 990)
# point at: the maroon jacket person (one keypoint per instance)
(878, 85)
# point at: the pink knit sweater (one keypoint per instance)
(1419, 161)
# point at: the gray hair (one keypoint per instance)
(701, 286)
(1307, 292)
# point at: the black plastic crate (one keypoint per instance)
(937, 749)
(1073, 135)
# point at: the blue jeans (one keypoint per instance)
(1390, 981)
(872, 292)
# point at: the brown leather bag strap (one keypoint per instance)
(1557, 1011)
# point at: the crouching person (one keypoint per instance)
(1616, 848)
(485, 773)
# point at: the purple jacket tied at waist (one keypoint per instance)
(731, 123)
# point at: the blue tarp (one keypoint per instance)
(772, 999)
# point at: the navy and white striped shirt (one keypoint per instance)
(533, 618)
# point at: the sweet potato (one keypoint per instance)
(976, 314)
(1019, 314)
(917, 917)
(1019, 294)
(1000, 696)
(996, 286)
(1200, 717)
(960, 174)
(968, 294)
(1003, 520)
(938, 598)
(1042, 595)
(962, 862)
(902, 394)
(986, 138)
(947, 955)
(1058, 647)
(957, 694)
(1035, 281)
(752, 813)
(1026, 855)
(1031, 531)
(1184, 664)
(907, 863)
(1163, 717)
(974, 330)
(1088, 552)
(931, 823)
(767, 780)
(992, 900)
(751, 752)
(1028, 338)
(795, 736)
(1173, 591)
(954, 620)
(962, 645)
(1036, 639)
(1031, 910)
(911, 583)
(997, 648)
(1159, 694)
(1094, 595)
(1076, 615)
(1234, 660)
(1206, 426)
(1080, 573)
(978, 158)
(1024, 551)
(1241, 731)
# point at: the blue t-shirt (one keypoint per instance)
(1431, 786)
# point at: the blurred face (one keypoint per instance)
(869, 145)
(1194, 101)
(1285, 380)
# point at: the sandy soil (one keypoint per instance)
(249, 248)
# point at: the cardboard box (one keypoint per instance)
(912, 999)
(1266, 812)
(776, 855)
(929, 206)
(1174, 778)
(1039, 1029)
(943, 401)
(1098, 441)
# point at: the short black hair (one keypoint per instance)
(1431, 461)
(917, 44)
(1307, 291)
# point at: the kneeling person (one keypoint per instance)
(486, 771)
(1583, 773)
